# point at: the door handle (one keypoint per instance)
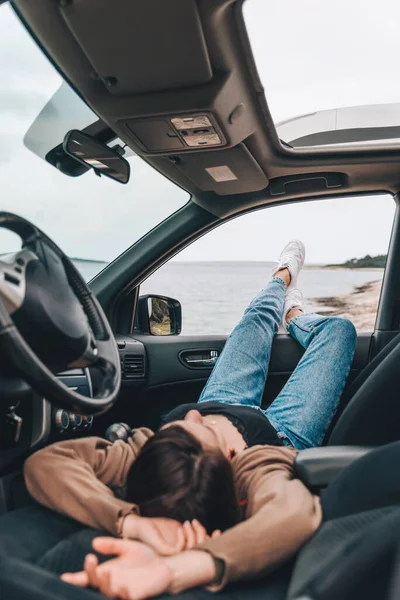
(198, 359)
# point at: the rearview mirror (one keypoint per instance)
(159, 315)
(98, 156)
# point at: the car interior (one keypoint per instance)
(183, 93)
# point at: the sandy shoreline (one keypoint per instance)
(359, 306)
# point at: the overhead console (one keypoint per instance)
(177, 132)
(166, 77)
(224, 172)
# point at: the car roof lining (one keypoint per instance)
(226, 78)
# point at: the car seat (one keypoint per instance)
(372, 413)
(349, 557)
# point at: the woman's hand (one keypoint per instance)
(195, 534)
(139, 573)
(165, 536)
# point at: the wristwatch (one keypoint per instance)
(219, 570)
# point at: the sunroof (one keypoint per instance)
(333, 64)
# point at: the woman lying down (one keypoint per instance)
(211, 498)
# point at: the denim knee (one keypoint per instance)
(345, 329)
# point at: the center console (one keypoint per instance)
(51, 423)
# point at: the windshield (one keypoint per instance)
(92, 219)
(315, 57)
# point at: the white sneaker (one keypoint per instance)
(292, 258)
(293, 299)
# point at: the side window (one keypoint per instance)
(346, 242)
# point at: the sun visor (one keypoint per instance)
(64, 111)
(233, 171)
(142, 46)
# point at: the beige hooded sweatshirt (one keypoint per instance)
(85, 480)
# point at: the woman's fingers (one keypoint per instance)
(109, 545)
(215, 533)
(79, 579)
(190, 536)
(87, 576)
(199, 531)
(90, 564)
(195, 534)
(181, 540)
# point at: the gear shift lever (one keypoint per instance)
(118, 431)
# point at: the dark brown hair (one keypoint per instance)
(174, 476)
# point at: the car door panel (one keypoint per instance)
(165, 365)
(169, 382)
(163, 356)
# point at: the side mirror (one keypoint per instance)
(159, 315)
(92, 153)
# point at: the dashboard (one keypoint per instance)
(42, 423)
(64, 423)
(79, 380)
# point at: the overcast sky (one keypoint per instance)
(311, 55)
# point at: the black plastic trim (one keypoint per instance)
(388, 315)
(316, 467)
(155, 248)
(307, 183)
(129, 346)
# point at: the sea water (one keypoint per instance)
(214, 295)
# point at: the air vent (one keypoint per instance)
(133, 366)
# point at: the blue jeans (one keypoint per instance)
(303, 410)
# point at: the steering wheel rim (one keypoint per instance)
(101, 351)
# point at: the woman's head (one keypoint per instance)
(177, 476)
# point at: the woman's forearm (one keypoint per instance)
(190, 569)
(75, 478)
(259, 544)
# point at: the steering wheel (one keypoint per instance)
(50, 322)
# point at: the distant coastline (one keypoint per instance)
(361, 305)
(367, 262)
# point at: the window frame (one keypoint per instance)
(385, 320)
